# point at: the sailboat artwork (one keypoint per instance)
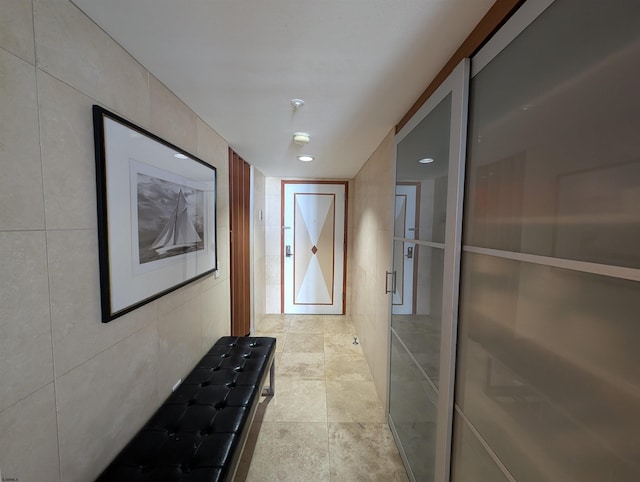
(170, 220)
(179, 232)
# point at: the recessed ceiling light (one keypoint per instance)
(426, 160)
(305, 158)
(301, 137)
(297, 103)
(180, 156)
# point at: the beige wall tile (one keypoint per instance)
(272, 270)
(273, 211)
(212, 147)
(273, 229)
(258, 246)
(216, 314)
(222, 199)
(78, 332)
(209, 282)
(67, 155)
(25, 341)
(74, 49)
(180, 344)
(21, 179)
(371, 235)
(272, 302)
(29, 433)
(16, 29)
(224, 254)
(273, 240)
(103, 402)
(178, 298)
(273, 186)
(171, 119)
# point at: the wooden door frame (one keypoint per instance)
(283, 183)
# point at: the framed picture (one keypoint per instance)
(156, 215)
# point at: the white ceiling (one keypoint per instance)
(359, 65)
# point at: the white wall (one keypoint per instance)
(258, 246)
(74, 390)
(273, 256)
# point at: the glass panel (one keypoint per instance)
(471, 462)
(413, 410)
(554, 156)
(420, 328)
(547, 369)
(421, 334)
(428, 140)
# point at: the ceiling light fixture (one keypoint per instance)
(297, 103)
(305, 158)
(426, 160)
(301, 137)
(180, 156)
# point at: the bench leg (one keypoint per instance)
(271, 389)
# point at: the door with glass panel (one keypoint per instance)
(429, 173)
(547, 379)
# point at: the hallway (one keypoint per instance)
(325, 422)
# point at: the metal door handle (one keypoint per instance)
(287, 251)
(393, 282)
(410, 252)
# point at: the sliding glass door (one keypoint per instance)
(547, 385)
(426, 254)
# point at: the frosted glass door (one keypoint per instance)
(426, 256)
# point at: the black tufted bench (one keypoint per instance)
(198, 433)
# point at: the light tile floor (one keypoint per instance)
(325, 422)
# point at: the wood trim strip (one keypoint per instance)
(497, 15)
(239, 219)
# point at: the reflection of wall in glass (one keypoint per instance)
(598, 215)
(549, 367)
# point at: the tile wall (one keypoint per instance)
(74, 390)
(369, 257)
(258, 247)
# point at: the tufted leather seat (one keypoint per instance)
(198, 433)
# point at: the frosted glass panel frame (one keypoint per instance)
(540, 291)
(547, 365)
(454, 88)
(552, 151)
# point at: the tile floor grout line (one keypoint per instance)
(290, 459)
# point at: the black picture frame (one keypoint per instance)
(156, 215)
